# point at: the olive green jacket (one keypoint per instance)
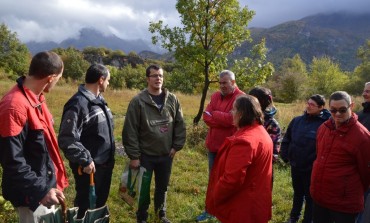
(150, 130)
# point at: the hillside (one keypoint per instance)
(337, 35)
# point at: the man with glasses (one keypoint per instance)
(219, 120)
(299, 149)
(154, 130)
(341, 171)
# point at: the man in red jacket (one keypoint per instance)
(341, 171)
(33, 170)
(218, 118)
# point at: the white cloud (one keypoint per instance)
(57, 20)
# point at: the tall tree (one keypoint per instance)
(75, 65)
(326, 77)
(211, 30)
(253, 70)
(361, 74)
(14, 55)
(287, 84)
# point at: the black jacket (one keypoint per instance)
(364, 115)
(86, 129)
(299, 143)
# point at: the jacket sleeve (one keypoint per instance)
(284, 149)
(217, 119)
(236, 170)
(363, 162)
(130, 132)
(179, 134)
(69, 136)
(15, 168)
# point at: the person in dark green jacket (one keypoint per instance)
(153, 131)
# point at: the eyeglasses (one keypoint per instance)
(156, 75)
(341, 110)
(310, 104)
(367, 91)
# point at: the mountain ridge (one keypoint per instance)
(336, 35)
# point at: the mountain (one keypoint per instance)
(94, 38)
(337, 35)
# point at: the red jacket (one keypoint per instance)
(239, 189)
(220, 120)
(341, 171)
(29, 152)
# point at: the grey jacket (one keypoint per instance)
(150, 130)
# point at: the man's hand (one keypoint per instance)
(172, 153)
(51, 198)
(90, 168)
(134, 164)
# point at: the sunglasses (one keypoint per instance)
(341, 110)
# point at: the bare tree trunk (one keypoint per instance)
(201, 106)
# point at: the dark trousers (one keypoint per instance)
(161, 166)
(102, 178)
(301, 181)
(325, 215)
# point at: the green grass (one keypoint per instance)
(190, 171)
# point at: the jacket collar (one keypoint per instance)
(34, 100)
(90, 96)
(345, 127)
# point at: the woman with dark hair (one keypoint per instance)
(272, 127)
(299, 149)
(239, 190)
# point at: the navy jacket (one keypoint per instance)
(299, 143)
(86, 130)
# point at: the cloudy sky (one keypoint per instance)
(56, 20)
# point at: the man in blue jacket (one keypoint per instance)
(86, 138)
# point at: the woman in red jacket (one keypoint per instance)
(239, 190)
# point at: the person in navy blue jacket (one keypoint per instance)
(299, 149)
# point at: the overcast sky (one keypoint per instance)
(56, 20)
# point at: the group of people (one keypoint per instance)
(328, 150)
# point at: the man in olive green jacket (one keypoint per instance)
(154, 130)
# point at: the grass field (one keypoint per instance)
(190, 171)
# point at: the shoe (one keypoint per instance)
(204, 216)
(164, 220)
(141, 221)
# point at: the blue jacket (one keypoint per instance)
(299, 143)
(86, 129)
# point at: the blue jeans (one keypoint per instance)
(359, 217)
(161, 166)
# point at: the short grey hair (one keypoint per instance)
(367, 83)
(227, 72)
(340, 95)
